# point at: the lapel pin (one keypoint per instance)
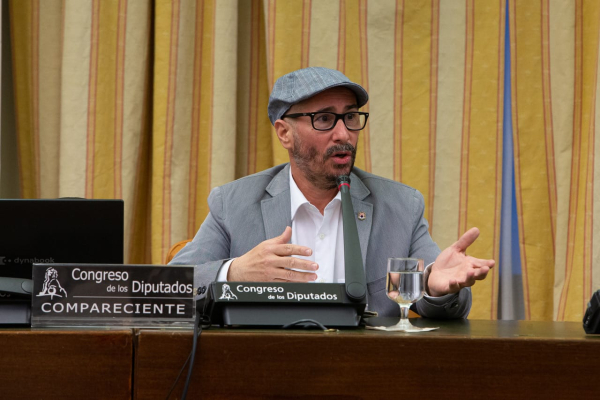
(362, 216)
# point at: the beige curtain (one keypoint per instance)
(554, 46)
(157, 102)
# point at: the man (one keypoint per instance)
(284, 224)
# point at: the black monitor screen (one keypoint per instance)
(59, 231)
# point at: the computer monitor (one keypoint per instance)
(59, 231)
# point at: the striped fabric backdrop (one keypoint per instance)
(157, 102)
(81, 79)
(554, 110)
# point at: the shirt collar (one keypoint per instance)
(298, 199)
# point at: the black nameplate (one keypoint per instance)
(123, 295)
(263, 292)
(261, 304)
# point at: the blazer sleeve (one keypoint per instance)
(452, 306)
(210, 248)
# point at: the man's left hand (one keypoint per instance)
(454, 269)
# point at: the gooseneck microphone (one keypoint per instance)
(356, 287)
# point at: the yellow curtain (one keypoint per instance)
(554, 104)
(157, 102)
(81, 73)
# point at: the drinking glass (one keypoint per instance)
(405, 286)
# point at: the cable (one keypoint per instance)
(305, 323)
(178, 376)
(201, 321)
(197, 332)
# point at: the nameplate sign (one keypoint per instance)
(262, 292)
(113, 295)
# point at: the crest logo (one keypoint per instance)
(227, 293)
(52, 285)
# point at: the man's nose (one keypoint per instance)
(340, 132)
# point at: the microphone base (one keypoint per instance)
(260, 316)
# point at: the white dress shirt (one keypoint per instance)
(323, 233)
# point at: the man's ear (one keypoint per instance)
(284, 132)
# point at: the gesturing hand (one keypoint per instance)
(271, 261)
(454, 270)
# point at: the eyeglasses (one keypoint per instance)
(324, 121)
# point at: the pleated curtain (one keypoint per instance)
(157, 102)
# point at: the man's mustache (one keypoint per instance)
(340, 147)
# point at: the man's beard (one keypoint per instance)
(307, 160)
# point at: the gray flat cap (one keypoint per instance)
(305, 83)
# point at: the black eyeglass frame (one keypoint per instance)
(337, 118)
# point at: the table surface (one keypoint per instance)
(463, 359)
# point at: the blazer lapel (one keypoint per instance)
(363, 213)
(277, 210)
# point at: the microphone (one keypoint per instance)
(356, 287)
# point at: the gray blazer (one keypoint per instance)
(255, 208)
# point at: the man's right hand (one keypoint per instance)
(271, 261)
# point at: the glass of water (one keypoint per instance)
(405, 286)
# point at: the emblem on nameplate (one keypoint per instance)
(227, 293)
(52, 286)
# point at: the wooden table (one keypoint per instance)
(463, 359)
(66, 364)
